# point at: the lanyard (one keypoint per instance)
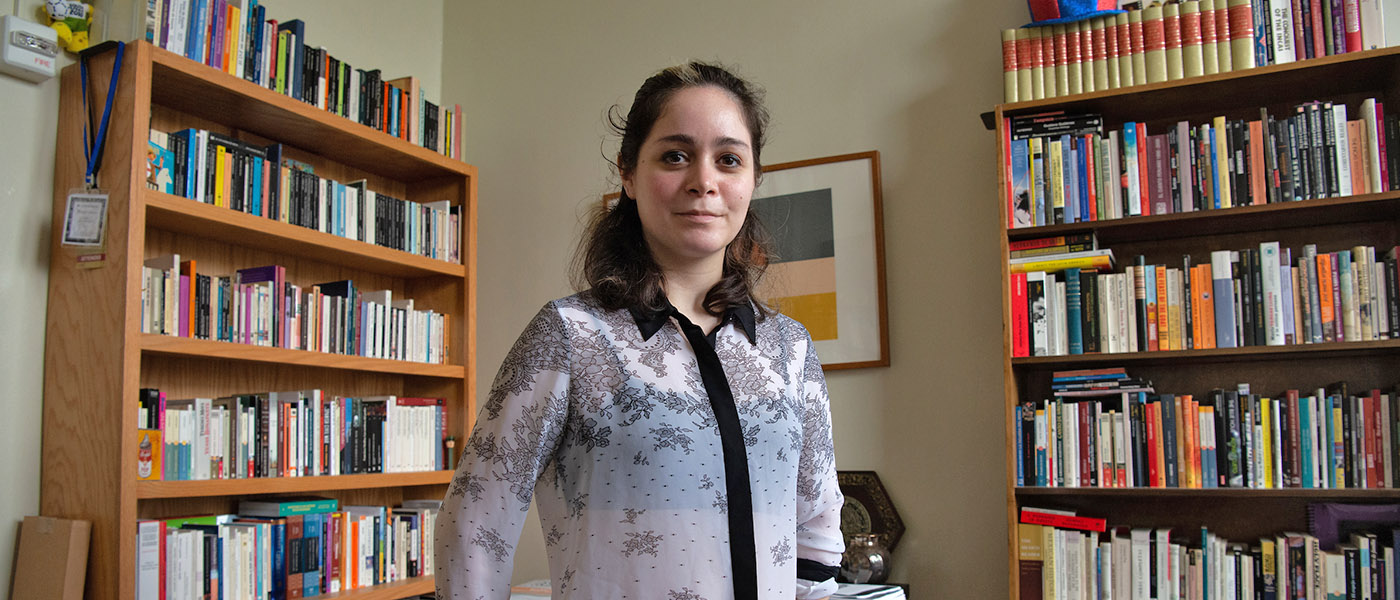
(92, 148)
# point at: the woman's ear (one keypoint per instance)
(626, 176)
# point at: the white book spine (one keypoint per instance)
(1273, 294)
(1372, 25)
(1281, 30)
(1343, 149)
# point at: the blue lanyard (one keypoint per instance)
(92, 149)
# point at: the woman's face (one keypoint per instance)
(694, 178)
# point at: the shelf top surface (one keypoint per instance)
(208, 93)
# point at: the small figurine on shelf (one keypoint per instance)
(71, 19)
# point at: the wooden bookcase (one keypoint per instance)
(1238, 515)
(96, 357)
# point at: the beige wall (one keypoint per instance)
(905, 77)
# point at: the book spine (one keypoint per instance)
(1241, 17)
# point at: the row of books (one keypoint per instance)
(289, 434)
(284, 549)
(1133, 437)
(1251, 297)
(1065, 169)
(1069, 557)
(261, 180)
(236, 37)
(1176, 40)
(259, 306)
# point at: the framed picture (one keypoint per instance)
(868, 508)
(827, 225)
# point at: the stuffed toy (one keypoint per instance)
(71, 19)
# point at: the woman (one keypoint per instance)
(677, 433)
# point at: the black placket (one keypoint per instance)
(742, 553)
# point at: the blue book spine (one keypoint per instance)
(1020, 449)
(1082, 162)
(194, 44)
(1069, 181)
(257, 187)
(1222, 288)
(1305, 429)
(1214, 172)
(1019, 214)
(1074, 311)
(311, 555)
(1169, 418)
(253, 18)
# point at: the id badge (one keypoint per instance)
(85, 226)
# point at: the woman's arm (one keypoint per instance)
(516, 433)
(819, 500)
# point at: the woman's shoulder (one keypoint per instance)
(786, 328)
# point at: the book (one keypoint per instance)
(286, 507)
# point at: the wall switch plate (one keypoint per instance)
(28, 50)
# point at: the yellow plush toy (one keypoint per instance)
(71, 19)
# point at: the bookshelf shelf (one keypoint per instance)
(1210, 494)
(177, 346)
(286, 485)
(194, 89)
(1214, 355)
(97, 359)
(170, 212)
(389, 591)
(1179, 240)
(1257, 218)
(1334, 76)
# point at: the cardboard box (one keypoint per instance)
(51, 563)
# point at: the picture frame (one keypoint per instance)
(827, 222)
(868, 508)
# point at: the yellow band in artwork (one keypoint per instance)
(816, 312)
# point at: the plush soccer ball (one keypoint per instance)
(71, 19)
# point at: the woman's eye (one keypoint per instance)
(730, 160)
(673, 157)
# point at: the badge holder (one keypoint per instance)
(85, 214)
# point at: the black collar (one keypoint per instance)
(648, 323)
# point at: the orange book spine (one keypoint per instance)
(1197, 342)
(1327, 308)
(1256, 163)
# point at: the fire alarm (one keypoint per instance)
(29, 51)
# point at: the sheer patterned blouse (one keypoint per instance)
(604, 418)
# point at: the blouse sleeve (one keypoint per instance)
(819, 500)
(516, 433)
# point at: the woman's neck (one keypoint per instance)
(686, 289)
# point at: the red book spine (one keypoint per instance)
(1142, 168)
(1092, 142)
(1087, 437)
(1352, 17)
(1377, 445)
(1319, 49)
(1064, 521)
(1294, 443)
(1154, 450)
(1020, 325)
(1301, 44)
(1380, 141)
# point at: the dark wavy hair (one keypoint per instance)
(613, 263)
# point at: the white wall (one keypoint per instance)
(905, 77)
